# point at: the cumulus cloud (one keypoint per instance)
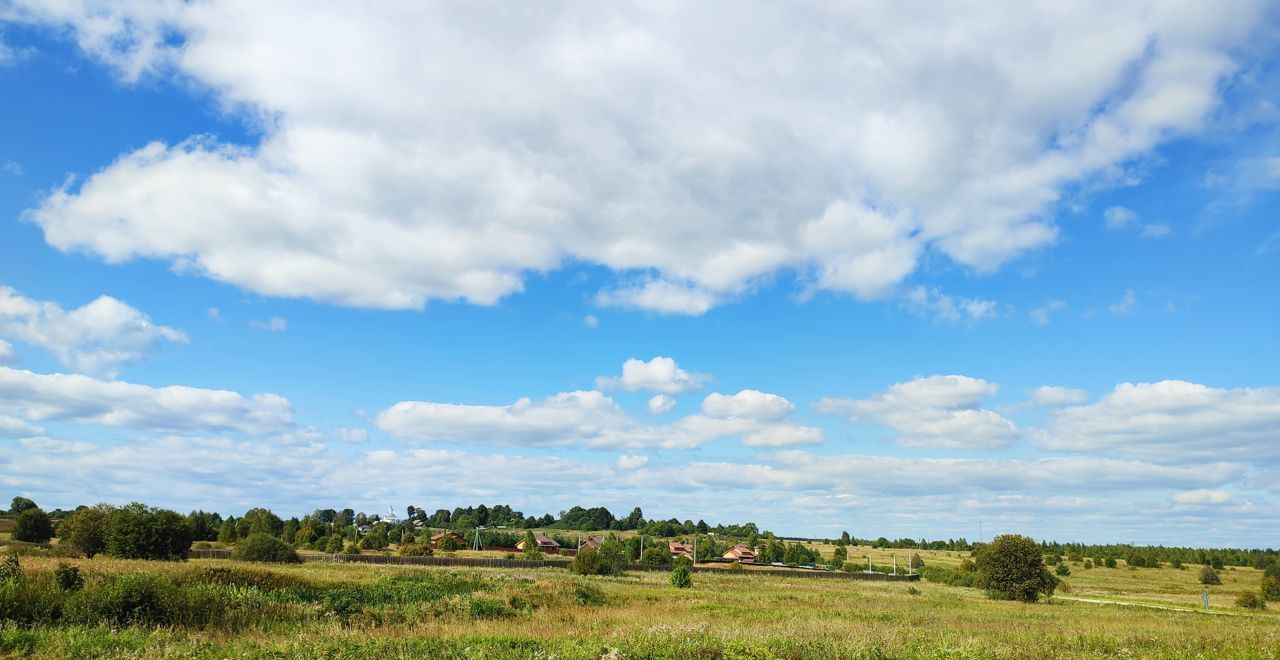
(591, 321)
(937, 411)
(1203, 497)
(661, 374)
(459, 148)
(586, 419)
(8, 356)
(273, 324)
(931, 303)
(1119, 217)
(97, 338)
(12, 427)
(1042, 315)
(1173, 421)
(1053, 396)
(632, 461)
(353, 436)
(1125, 304)
(750, 404)
(1156, 230)
(87, 400)
(661, 404)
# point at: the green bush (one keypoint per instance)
(33, 526)
(586, 562)
(681, 576)
(68, 577)
(1109, 562)
(415, 550)
(1011, 568)
(943, 575)
(334, 545)
(86, 529)
(261, 547)
(1271, 588)
(1176, 563)
(10, 568)
(656, 556)
(352, 549)
(588, 594)
(1250, 601)
(1062, 570)
(144, 599)
(30, 602)
(1209, 576)
(137, 531)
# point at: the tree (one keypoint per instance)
(531, 550)
(655, 555)
(845, 538)
(1216, 562)
(613, 557)
(86, 529)
(228, 531)
(1209, 576)
(137, 531)
(265, 548)
(204, 525)
(1012, 568)
(263, 521)
(681, 576)
(33, 526)
(19, 505)
(1271, 588)
(917, 562)
(840, 556)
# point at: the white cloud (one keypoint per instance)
(632, 461)
(1172, 420)
(1053, 396)
(749, 404)
(591, 321)
(12, 427)
(273, 324)
(783, 435)
(660, 374)
(937, 411)
(1119, 217)
(1203, 497)
(1042, 315)
(1125, 304)
(87, 400)
(456, 152)
(8, 356)
(214, 314)
(97, 338)
(934, 304)
(1156, 230)
(8, 166)
(661, 404)
(353, 436)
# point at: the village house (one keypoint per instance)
(435, 539)
(680, 549)
(545, 544)
(593, 542)
(740, 553)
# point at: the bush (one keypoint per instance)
(484, 608)
(1176, 563)
(586, 562)
(449, 544)
(655, 555)
(1209, 576)
(261, 547)
(10, 568)
(1011, 568)
(1216, 562)
(588, 594)
(1088, 564)
(917, 562)
(68, 577)
(1250, 601)
(352, 549)
(681, 576)
(137, 531)
(944, 575)
(86, 530)
(415, 550)
(1271, 588)
(33, 527)
(334, 545)
(1062, 570)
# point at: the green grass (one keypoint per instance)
(220, 609)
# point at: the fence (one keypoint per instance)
(484, 562)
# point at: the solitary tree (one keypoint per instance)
(19, 505)
(1209, 576)
(531, 550)
(33, 526)
(1012, 568)
(86, 529)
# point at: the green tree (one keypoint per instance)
(228, 531)
(137, 531)
(33, 526)
(19, 505)
(86, 529)
(334, 545)
(262, 521)
(655, 555)
(1271, 588)
(1012, 568)
(530, 549)
(682, 576)
(1209, 576)
(265, 548)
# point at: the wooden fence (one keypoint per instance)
(485, 562)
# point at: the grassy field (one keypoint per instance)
(220, 609)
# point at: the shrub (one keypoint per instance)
(1088, 564)
(1062, 570)
(912, 591)
(33, 527)
(415, 550)
(68, 577)
(449, 543)
(917, 562)
(944, 575)
(1271, 588)
(137, 531)
(530, 549)
(261, 547)
(1216, 562)
(334, 545)
(1075, 557)
(1109, 562)
(588, 594)
(613, 557)
(681, 576)
(352, 549)
(1011, 568)
(586, 562)
(10, 568)
(1176, 563)
(655, 555)
(484, 608)
(1250, 601)
(1209, 576)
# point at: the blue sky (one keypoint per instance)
(823, 271)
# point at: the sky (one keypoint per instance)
(945, 273)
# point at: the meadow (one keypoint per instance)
(222, 608)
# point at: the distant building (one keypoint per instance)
(680, 549)
(741, 553)
(593, 542)
(545, 543)
(435, 539)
